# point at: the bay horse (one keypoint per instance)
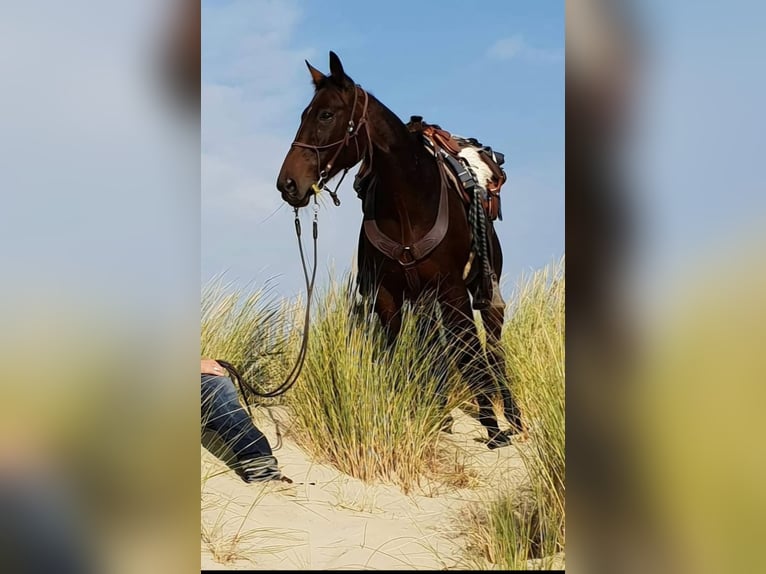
(410, 199)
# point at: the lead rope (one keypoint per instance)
(292, 377)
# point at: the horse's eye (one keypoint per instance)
(325, 115)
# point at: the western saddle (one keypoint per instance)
(478, 185)
(464, 172)
(476, 171)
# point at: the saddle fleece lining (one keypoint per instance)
(479, 168)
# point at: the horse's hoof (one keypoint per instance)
(501, 439)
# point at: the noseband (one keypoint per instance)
(352, 131)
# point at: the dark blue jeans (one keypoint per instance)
(227, 430)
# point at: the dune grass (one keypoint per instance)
(372, 411)
(514, 529)
(253, 330)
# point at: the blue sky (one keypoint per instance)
(494, 72)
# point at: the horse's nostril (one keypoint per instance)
(290, 186)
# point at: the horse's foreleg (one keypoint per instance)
(388, 307)
(458, 319)
(493, 318)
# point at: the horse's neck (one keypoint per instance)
(406, 175)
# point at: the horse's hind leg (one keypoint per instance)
(493, 318)
(458, 320)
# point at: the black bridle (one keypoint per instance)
(351, 132)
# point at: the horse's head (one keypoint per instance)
(327, 139)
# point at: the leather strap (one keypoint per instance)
(409, 255)
(444, 139)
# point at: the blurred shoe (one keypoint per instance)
(261, 469)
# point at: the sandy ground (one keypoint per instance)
(328, 520)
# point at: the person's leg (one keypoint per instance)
(229, 433)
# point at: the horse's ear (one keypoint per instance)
(336, 70)
(316, 75)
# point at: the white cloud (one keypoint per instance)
(516, 47)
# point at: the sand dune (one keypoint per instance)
(328, 520)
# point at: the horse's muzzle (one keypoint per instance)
(290, 193)
(287, 186)
(296, 199)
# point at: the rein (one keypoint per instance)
(292, 376)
